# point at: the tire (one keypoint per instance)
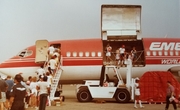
(122, 96)
(84, 95)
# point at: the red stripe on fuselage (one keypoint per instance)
(18, 64)
(82, 62)
(66, 62)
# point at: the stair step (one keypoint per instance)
(55, 82)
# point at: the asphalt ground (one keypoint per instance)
(71, 103)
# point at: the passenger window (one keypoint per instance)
(93, 54)
(165, 53)
(160, 53)
(99, 54)
(177, 53)
(74, 54)
(80, 54)
(171, 53)
(68, 54)
(148, 53)
(154, 53)
(87, 54)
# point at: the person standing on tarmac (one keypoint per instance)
(3, 89)
(137, 94)
(10, 83)
(44, 91)
(17, 94)
(170, 94)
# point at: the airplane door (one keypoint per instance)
(41, 51)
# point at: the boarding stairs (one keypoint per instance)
(55, 82)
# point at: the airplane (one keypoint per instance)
(82, 59)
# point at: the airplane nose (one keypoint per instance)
(1, 68)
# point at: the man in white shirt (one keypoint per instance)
(108, 54)
(57, 56)
(40, 71)
(44, 91)
(53, 64)
(122, 53)
(51, 50)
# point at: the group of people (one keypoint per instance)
(33, 93)
(120, 54)
(16, 94)
(53, 59)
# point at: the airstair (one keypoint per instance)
(55, 82)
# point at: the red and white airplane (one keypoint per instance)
(82, 59)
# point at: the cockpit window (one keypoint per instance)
(25, 53)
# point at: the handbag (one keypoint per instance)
(173, 99)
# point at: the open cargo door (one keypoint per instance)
(120, 22)
(41, 51)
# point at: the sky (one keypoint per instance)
(22, 22)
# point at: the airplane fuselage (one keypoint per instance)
(82, 59)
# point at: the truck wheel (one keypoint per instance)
(122, 96)
(84, 96)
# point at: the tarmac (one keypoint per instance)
(71, 103)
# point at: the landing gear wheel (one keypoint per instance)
(122, 96)
(84, 96)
